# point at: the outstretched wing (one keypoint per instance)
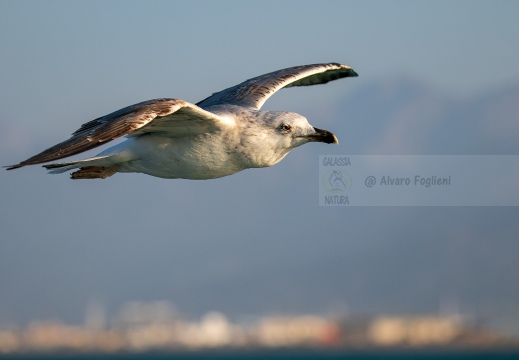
(172, 117)
(254, 92)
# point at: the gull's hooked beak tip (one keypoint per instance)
(324, 136)
(321, 135)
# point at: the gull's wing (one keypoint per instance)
(254, 92)
(171, 117)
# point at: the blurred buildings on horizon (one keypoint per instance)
(157, 326)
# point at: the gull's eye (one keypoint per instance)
(285, 127)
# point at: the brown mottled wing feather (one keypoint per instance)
(254, 92)
(169, 116)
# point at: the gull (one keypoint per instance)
(218, 136)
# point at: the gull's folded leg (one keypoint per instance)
(94, 172)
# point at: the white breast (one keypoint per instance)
(205, 156)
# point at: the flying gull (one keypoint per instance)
(219, 136)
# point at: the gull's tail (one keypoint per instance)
(99, 167)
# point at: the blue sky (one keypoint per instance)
(134, 237)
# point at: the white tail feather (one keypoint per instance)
(59, 168)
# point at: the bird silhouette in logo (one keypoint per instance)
(337, 181)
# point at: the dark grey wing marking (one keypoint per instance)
(172, 117)
(254, 92)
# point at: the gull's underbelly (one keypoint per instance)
(202, 157)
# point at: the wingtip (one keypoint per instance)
(346, 69)
(351, 72)
(12, 167)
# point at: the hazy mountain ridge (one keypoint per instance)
(404, 116)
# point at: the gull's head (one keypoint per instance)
(291, 130)
(281, 132)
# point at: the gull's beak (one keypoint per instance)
(322, 136)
